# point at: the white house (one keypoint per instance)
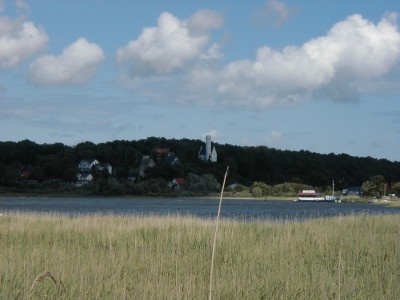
(85, 168)
(86, 165)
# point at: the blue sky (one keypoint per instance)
(316, 75)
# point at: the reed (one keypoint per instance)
(149, 257)
(216, 235)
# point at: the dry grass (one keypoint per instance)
(116, 257)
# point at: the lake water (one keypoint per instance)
(239, 209)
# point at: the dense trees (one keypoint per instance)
(375, 186)
(248, 165)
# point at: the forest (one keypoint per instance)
(247, 165)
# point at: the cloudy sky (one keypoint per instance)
(316, 75)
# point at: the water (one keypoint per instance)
(238, 209)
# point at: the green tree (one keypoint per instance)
(210, 182)
(259, 189)
(256, 191)
(38, 174)
(195, 183)
(396, 188)
(152, 186)
(114, 187)
(70, 175)
(10, 177)
(374, 186)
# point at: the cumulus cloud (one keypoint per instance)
(212, 53)
(354, 50)
(19, 39)
(171, 44)
(275, 13)
(202, 21)
(77, 63)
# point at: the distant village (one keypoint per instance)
(159, 166)
(207, 153)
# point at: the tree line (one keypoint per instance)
(247, 165)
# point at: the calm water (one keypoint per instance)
(242, 209)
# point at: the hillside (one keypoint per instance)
(247, 164)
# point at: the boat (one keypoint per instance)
(313, 196)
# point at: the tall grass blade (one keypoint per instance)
(42, 277)
(215, 234)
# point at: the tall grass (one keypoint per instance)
(121, 257)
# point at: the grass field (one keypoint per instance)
(117, 257)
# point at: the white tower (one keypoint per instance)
(208, 147)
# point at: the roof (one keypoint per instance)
(354, 188)
(202, 150)
(171, 158)
(161, 150)
(88, 161)
(179, 181)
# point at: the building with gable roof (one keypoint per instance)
(85, 168)
(136, 174)
(164, 155)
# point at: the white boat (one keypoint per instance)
(313, 196)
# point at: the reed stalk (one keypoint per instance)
(215, 235)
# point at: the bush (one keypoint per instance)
(256, 191)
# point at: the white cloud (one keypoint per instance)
(2, 6)
(21, 4)
(273, 138)
(202, 21)
(19, 40)
(76, 64)
(275, 13)
(212, 53)
(353, 51)
(213, 133)
(171, 44)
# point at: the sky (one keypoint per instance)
(315, 75)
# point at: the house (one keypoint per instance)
(25, 177)
(172, 159)
(177, 183)
(85, 168)
(86, 165)
(147, 162)
(136, 174)
(352, 191)
(26, 174)
(164, 155)
(133, 174)
(160, 153)
(208, 153)
(84, 178)
(104, 167)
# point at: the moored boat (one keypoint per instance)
(313, 196)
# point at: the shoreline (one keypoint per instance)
(227, 196)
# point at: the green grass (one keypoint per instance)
(116, 257)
